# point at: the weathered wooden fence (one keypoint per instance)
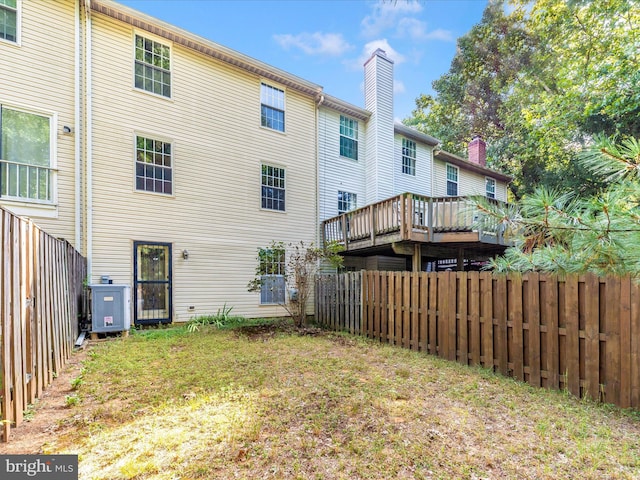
(580, 333)
(41, 291)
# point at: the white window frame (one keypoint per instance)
(490, 192)
(282, 187)
(456, 182)
(350, 132)
(18, 11)
(409, 154)
(26, 205)
(164, 43)
(275, 279)
(347, 200)
(154, 138)
(274, 99)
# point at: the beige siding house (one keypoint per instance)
(191, 176)
(170, 161)
(38, 73)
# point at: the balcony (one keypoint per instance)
(418, 226)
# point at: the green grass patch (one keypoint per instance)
(270, 401)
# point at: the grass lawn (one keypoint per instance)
(277, 404)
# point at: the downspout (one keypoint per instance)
(89, 138)
(78, 135)
(319, 235)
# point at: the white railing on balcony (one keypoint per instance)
(23, 181)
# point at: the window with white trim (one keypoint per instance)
(346, 202)
(272, 280)
(25, 156)
(348, 137)
(154, 166)
(490, 187)
(9, 20)
(408, 156)
(273, 188)
(272, 107)
(452, 180)
(153, 66)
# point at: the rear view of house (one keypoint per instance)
(170, 161)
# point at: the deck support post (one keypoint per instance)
(460, 266)
(416, 264)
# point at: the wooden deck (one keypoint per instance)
(406, 220)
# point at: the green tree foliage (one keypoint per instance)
(301, 263)
(569, 233)
(538, 80)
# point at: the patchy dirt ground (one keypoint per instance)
(45, 421)
(267, 331)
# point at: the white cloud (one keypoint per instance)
(440, 34)
(371, 47)
(332, 44)
(385, 14)
(398, 87)
(417, 30)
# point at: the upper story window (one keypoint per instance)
(9, 20)
(348, 137)
(153, 66)
(346, 202)
(272, 281)
(408, 156)
(273, 191)
(490, 187)
(153, 166)
(452, 180)
(272, 107)
(25, 156)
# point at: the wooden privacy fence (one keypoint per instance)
(41, 292)
(580, 333)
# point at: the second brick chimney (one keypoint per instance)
(478, 151)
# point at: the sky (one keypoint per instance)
(327, 41)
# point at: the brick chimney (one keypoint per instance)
(478, 151)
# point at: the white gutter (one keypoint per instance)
(319, 235)
(76, 131)
(89, 139)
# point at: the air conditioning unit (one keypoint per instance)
(110, 308)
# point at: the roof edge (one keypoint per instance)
(202, 45)
(464, 163)
(414, 134)
(345, 107)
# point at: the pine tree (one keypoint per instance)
(563, 232)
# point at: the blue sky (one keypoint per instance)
(327, 42)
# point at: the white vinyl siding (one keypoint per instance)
(9, 20)
(469, 182)
(272, 107)
(336, 174)
(420, 183)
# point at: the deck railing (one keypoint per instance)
(406, 213)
